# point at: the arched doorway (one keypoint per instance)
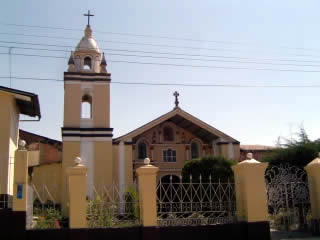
(170, 178)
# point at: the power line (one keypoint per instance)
(155, 36)
(166, 53)
(181, 65)
(178, 84)
(121, 42)
(122, 34)
(154, 45)
(177, 58)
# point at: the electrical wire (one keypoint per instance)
(121, 42)
(175, 84)
(164, 53)
(154, 36)
(180, 65)
(176, 58)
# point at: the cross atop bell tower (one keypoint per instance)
(88, 15)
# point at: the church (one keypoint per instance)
(169, 140)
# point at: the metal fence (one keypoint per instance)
(42, 209)
(180, 203)
(112, 206)
(288, 198)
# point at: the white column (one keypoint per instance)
(215, 149)
(87, 156)
(121, 166)
(230, 151)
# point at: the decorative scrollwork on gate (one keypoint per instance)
(285, 174)
(288, 197)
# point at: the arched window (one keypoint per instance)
(195, 150)
(142, 150)
(86, 107)
(87, 63)
(168, 134)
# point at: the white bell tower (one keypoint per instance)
(86, 131)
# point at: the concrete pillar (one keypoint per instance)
(76, 176)
(251, 197)
(313, 170)
(20, 178)
(147, 184)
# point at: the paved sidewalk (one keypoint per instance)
(283, 235)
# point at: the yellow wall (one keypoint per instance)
(103, 163)
(8, 141)
(49, 176)
(72, 105)
(101, 106)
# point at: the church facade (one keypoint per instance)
(174, 138)
(169, 141)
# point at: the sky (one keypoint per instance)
(232, 42)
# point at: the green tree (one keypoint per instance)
(218, 167)
(298, 152)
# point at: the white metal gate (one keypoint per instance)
(288, 198)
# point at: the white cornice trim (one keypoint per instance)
(87, 83)
(87, 139)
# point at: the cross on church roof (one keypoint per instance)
(88, 15)
(176, 94)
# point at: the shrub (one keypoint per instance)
(219, 168)
(48, 218)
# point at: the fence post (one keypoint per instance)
(20, 182)
(251, 197)
(76, 176)
(20, 178)
(313, 170)
(147, 175)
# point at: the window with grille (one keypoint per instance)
(169, 155)
(195, 153)
(142, 150)
(168, 134)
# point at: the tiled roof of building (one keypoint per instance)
(256, 148)
(34, 138)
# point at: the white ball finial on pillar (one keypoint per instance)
(249, 156)
(22, 144)
(146, 161)
(77, 161)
